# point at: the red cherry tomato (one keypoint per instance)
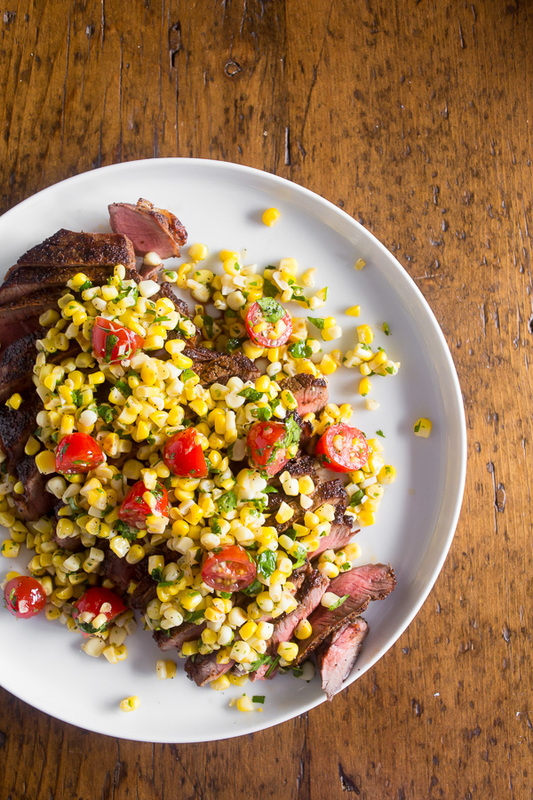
(113, 342)
(135, 509)
(98, 602)
(266, 448)
(229, 570)
(183, 454)
(342, 449)
(78, 452)
(24, 596)
(269, 312)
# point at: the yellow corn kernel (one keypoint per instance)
(303, 630)
(251, 350)
(359, 264)
(287, 650)
(190, 648)
(248, 630)
(198, 252)
(271, 216)
(366, 517)
(209, 637)
(327, 365)
(191, 600)
(45, 462)
(422, 427)
(14, 401)
(135, 554)
(277, 577)
(284, 513)
(220, 684)
(199, 407)
(130, 703)
(364, 334)
(353, 311)
(245, 704)
(32, 446)
(262, 384)
(387, 474)
(9, 548)
(364, 387)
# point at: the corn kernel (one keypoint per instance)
(287, 650)
(303, 630)
(130, 703)
(14, 401)
(353, 311)
(422, 427)
(271, 216)
(45, 462)
(364, 387)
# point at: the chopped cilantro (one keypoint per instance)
(263, 659)
(105, 413)
(266, 563)
(263, 414)
(386, 329)
(77, 396)
(225, 595)
(318, 322)
(227, 502)
(253, 589)
(273, 666)
(356, 498)
(125, 530)
(269, 290)
(85, 285)
(156, 574)
(110, 342)
(380, 433)
(300, 350)
(292, 432)
(258, 698)
(251, 394)
(187, 374)
(123, 388)
(234, 344)
(417, 427)
(272, 310)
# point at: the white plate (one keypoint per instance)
(221, 205)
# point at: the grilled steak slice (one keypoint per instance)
(175, 638)
(341, 534)
(71, 248)
(35, 502)
(150, 229)
(338, 654)
(302, 464)
(310, 393)
(361, 584)
(16, 427)
(21, 316)
(16, 364)
(221, 367)
(25, 279)
(309, 596)
(131, 580)
(204, 669)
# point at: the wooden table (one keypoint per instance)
(415, 117)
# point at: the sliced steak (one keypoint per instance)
(26, 279)
(338, 654)
(204, 669)
(20, 317)
(309, 596)
(302, 464)
(341, 534)
(361, 584)
(71, 248)
(221, 367)
(175, 638)
(15, 428)
(35, 502)
(16, 364)
(310, 393)
(119, 571)
(150, 229)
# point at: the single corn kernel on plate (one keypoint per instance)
(371, 310)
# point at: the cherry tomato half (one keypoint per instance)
(274, 321)
(183, 454)
(229, 570)
(103, 604)
(342, 449)
(113, 342)
(78, 452)
(24, 596)
(266, 449)
(135, 509)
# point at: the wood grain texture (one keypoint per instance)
(415, 117)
